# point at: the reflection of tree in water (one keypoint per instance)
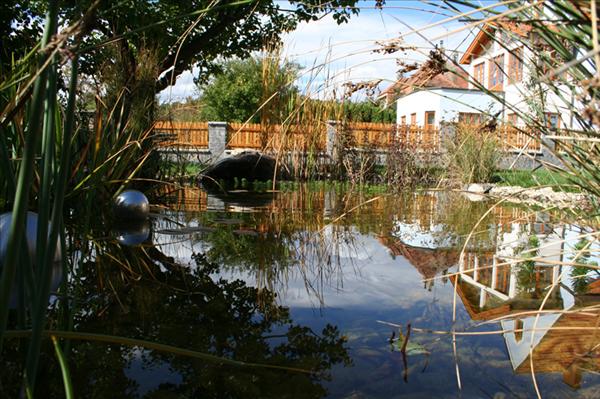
(190, 309)
(271, 248)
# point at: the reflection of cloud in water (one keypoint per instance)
(381, 282)
(434, 237)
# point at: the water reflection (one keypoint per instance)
(140, 293)
(301, 279)
(302, 233)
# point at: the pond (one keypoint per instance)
(323, 279)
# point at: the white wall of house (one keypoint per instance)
(517, 93)
(446, 103)
(418, 103)
(455, 101)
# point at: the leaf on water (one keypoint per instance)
(416, 349)
(412, 348)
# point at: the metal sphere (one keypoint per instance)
(131, 205)
(132, 234)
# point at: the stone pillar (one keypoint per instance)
(332, 138)
(447, 132)
(217, 138)
(548, 149)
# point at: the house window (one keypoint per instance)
(403, 119)
(429, 119)
(552, 120)
(512, 119)
(496, 73)
(470, 118)
(515, 65)
(413, 119)
(478, 71)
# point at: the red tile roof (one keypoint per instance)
(453, 78)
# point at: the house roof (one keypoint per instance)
(486, 33)
(565, 345)
(428, 262)
(453, 78)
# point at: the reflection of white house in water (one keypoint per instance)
(492, 284)
(493, 273)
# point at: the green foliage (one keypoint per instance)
(367, 111)
(527, 269)
(180, 33)
(581, 274)
(472, 155)
(237, 93)
(540, 177)
(187, 110)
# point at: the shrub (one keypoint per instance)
(472, 154)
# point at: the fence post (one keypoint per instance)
(548, 147)
(217, 138)
(447, 132)
(332, 138)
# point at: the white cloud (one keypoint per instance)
(182, 89)
(333, 54)
(346, 52)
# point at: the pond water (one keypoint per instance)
(324, 279)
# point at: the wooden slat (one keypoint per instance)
(182, 134)
(517, 139)
(361, 135)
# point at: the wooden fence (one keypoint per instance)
(513, 139)
(276, 137)
(382, 136)
(426, 139)
(182, 134)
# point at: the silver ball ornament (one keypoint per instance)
(131, 205)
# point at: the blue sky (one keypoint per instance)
(343, 53)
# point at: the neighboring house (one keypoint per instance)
(426, 99)
(498, 62)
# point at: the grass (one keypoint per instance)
(540, 177)
(180, 169)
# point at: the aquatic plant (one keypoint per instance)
(471, 156)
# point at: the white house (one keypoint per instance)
(496, 60)
(426, 100)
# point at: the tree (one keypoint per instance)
(367, 111)
(243, 86)
(178, 34)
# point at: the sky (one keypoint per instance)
(332, 54)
